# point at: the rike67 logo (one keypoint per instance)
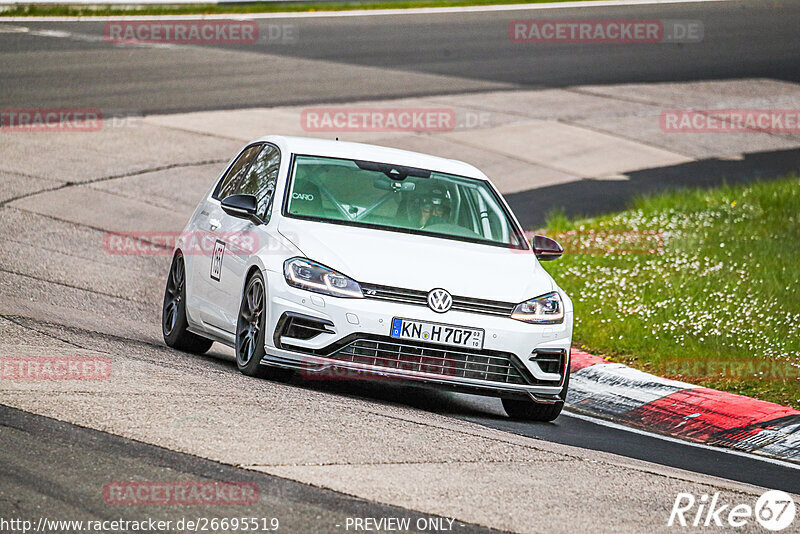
(774, 511)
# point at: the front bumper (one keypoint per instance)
(348, 322)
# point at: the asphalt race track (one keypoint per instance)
(92, 455)
(377, 57)
(320, 452)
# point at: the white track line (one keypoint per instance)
(616, 426)
(365, 12)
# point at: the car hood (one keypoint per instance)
(419, 262)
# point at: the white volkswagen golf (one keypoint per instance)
(345, 258)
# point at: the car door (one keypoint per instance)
(246, 237)
(236, 240)
(206, 259)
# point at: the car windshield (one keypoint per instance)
(405, 199)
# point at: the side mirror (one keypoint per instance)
(546, 249)
(242, 207)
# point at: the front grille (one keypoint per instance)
(446, 362)
(413, 296)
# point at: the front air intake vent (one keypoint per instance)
(299, 326)
(550, 360)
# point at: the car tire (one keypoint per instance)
(173, 312)
(532, 411)
(251, 331)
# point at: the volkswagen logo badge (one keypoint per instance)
(439, 300)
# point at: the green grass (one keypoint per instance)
(697, 285)
(33, 10)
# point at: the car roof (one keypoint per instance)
(343, 149)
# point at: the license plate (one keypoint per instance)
(443, 334)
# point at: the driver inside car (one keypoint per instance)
(434, 208)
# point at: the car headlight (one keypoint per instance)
(310, 275)
(547, 309)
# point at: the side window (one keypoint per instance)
(228, 185)
(261, 179)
